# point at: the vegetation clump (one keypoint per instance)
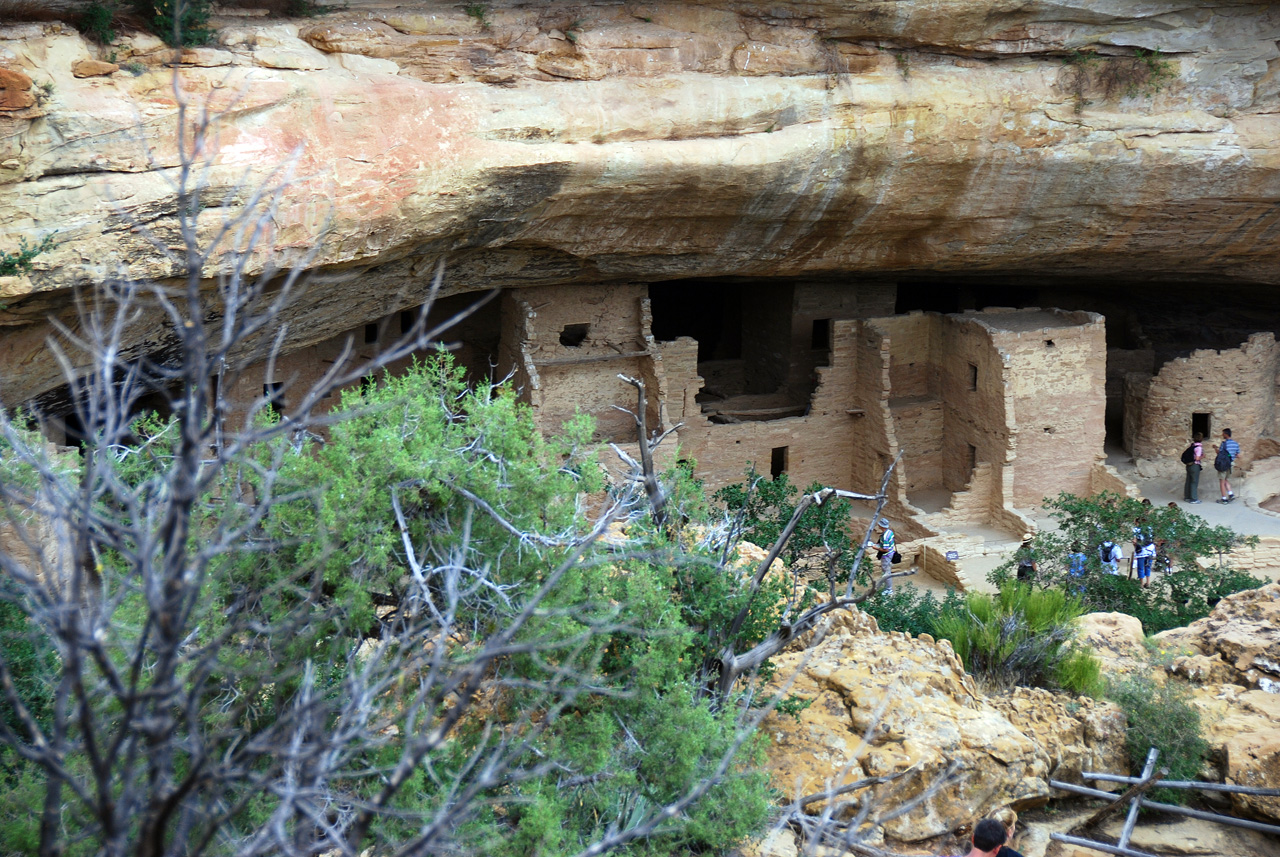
(1190, 572)
(1161, 714)
(21, 261)
(1021, 636)
(401, 554)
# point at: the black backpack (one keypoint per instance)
(1222, 461)
(1189, 454)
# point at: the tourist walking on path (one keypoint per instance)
(1110, 554)
(1144, 553)
(1227, 452)
(1191, 457)
(885, 547)
(1075, 565)
(1026, 555)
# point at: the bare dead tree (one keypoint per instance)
(211, 691)
(175, 725)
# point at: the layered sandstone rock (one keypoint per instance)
(1239, 642)
(881, 704)
(1232, 658)
(536, 144)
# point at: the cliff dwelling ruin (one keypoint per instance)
(992, 408)
(821, 240)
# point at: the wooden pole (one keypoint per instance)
(1138, 788)
(1147, 777)
(1230, 788)
(1099, 846)
(1175, 810)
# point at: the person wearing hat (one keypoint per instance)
(885, 547)
(1026, 556)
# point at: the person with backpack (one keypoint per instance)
(1191, 458)
(1110, 554)
(886, 546)
(1227, 452)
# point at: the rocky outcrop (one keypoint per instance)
(1232, 659)
(533, 144)
(1238, 643)
(880, 704)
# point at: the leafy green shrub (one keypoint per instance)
(1161, 714)
(1182, 589)
(20, 262)
(32, 665)
(764, 507)
(480, 12)
(1021, 636)
(911, 610)
(178, 22)
(633, 629)
(96, 22)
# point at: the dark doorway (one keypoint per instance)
(778, 461)
(1200, 423)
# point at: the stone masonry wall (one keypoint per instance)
(972, 385)
(1056, 373)
(914, 401)
(1236, 387)
(820, 445)
(577, 340)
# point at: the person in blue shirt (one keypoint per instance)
(1075, 564)
(1227, 453)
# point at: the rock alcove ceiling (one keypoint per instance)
(547, 143)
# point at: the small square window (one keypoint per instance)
(573, 335)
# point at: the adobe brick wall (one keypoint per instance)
(559, 379)
(821, 445)
(1235, 386)
(1055, 371)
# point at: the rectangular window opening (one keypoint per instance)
(778, 461)
(973, 457)
(973, 376)
(370, 333)
(407, 319)
(821, 337)
(573, 335)
(1200, 423)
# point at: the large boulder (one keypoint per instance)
(882, 704)
(1239, 642)
(1232, 660)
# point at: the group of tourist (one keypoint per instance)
(1146, 554)
(1224, 458)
